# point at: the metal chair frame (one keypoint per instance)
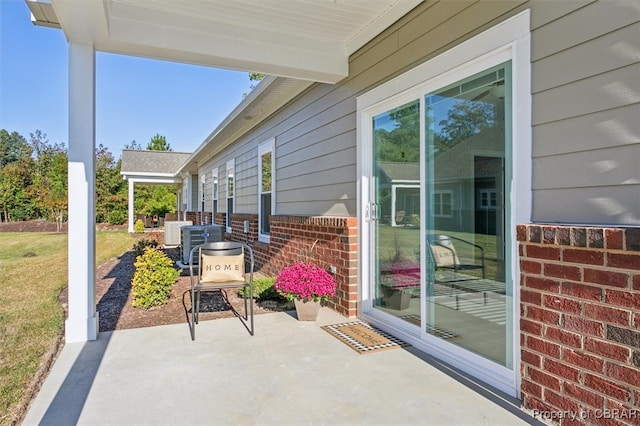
(223, 248)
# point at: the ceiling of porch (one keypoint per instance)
(302, 39)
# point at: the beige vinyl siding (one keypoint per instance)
(587, 22)
(545, 11)
(310, 144)
(316, 156)
(245, 177)
(619, 205)
(613, 89)
(604, 129)
(617, 49)
(586, 131)
(607, 167)
(586, 105)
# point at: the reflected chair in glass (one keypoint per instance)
(445, 256)
(221, 266)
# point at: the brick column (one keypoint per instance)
(580, 320)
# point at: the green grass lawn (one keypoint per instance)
(33, 271)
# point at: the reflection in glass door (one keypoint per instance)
(452, 220)
(396, 211)
(468, 300)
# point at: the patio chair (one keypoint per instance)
(221, 266)
(445, 256)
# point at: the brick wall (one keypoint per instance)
(580, 323)
(325, 241)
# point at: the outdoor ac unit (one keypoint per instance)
(195, 235)
(172, 231)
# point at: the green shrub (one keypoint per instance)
(138, 227)
(143, 243)
(117, 217)
(153, 279)
(262, 289)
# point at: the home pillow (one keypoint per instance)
(444, 256)
(219, 269)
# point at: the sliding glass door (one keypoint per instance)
(395, 211)
(436, 216)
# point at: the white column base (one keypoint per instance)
(81, 330)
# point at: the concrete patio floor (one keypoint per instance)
(289, 373)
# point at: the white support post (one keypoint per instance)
(82, 323)
(131, 219)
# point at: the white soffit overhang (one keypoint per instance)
(303, 39)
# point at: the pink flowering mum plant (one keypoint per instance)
(400, 274)
(305, 281)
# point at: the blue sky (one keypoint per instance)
(135, 97)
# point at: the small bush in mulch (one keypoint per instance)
(138, 227)
(263, 290)
(143, 243)
(153, 279)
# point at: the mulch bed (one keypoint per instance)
(113, 293)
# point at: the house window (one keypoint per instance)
(185, 196)
(231, 164)
(202, 183)
(488, 199)
(266, 198)
(214, 194)
(442, 203)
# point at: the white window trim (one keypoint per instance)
(508, 40)
(201, 196)
(215, 184)
(440, 192)
(186, 201)
(264, 148)
(231, 165)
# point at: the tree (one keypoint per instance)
(397, 139)
(157, 199)
(402, 142)
(55, 199)
(50, 177)
(15, 179)
(13, 147)
(134, 146)
(111, 189)
(162, 201)
(15, 176)
(464, 119)
(158, 143)
(254, 76)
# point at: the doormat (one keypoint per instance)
(363, 338)
(431, 329)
